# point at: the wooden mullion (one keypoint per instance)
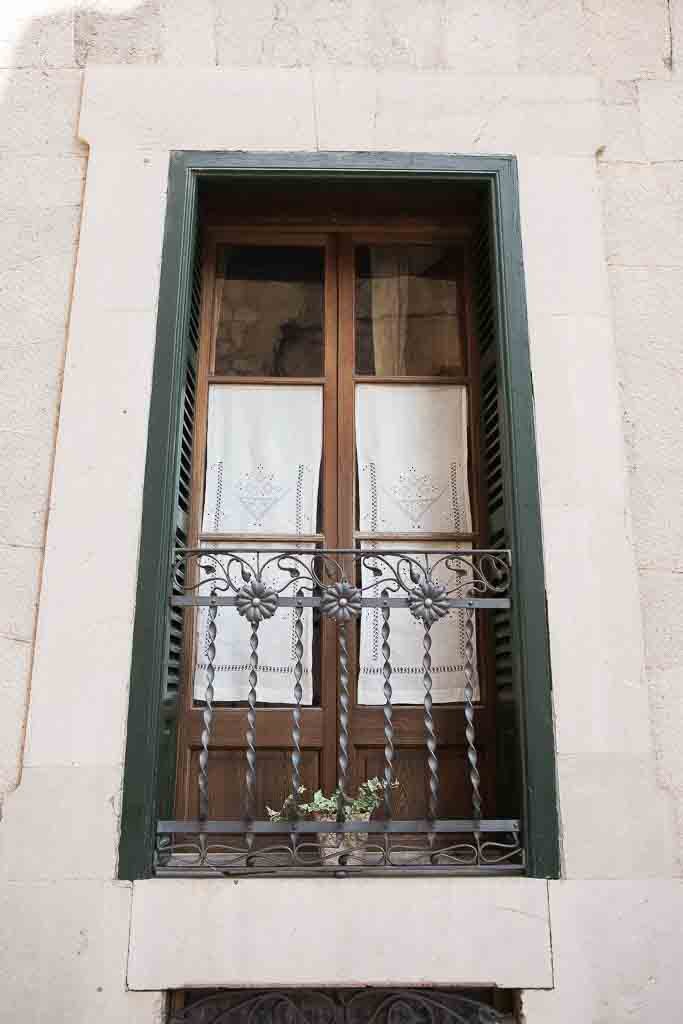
(459, 380)
(346, 457)
(246, 380)
(330, 524)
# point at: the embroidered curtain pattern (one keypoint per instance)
(412, 478)
(264, 446)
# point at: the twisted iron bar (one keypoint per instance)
(251, 728)
(207, 716)
(472, 756)
(343, 716)
(298, 694)
(432, 760)
(388, 723)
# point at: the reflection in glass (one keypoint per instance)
(269, 311)
(408, 310)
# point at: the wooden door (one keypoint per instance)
(299, 324)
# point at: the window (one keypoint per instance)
(342, 387)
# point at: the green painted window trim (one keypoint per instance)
(531, 653)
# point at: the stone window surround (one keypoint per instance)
(495, 931)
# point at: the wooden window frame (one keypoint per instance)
(531, 662)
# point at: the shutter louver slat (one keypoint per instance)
(176, 618)
(498, 536)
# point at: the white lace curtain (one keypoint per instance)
(264, 446)
(412, 472)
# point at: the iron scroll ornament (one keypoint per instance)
(339, 1006)
(425, 579)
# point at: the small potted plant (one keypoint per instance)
(334, 845)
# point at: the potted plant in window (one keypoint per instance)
(336, 846)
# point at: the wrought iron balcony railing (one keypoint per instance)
(340, 585)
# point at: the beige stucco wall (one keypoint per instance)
(589, 99)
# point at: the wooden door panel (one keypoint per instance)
(227, 770)
(410, 799)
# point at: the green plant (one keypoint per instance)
(369, 797)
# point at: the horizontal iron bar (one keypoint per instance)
(196, 601)
(423, 825)
(358, 552)
(426, 870)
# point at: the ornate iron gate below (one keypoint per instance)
(338, 1006)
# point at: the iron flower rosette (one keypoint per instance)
(341, 601)
(428, 602)
(255, 601)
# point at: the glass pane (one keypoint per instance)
(408, 317)
(269, 311)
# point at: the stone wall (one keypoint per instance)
(600, 138)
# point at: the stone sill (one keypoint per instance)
(196, 933)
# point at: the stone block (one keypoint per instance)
(676, 13)
(30, 383)
(648, 311)
(36, 33)
(40, 111)
(475, 38)
(187, 34)
(661, 113)
(622, 136)
(653, 404)
(37, 182)
(26, 462)
(626, 40)
(576, 396)
(467, 931)
(482, 38)
(129, 35)
(36, 270)
(304, 33)
(139, 108)
(662, 593)
(19, 583)
(440, 111)
(346, 106)
(119, 258)
(616, 951)
(360, 110)
(15, 663)
(562, 236)
(88, 595)
(599, 693)
(666, 704)
(63, 950)
(62, 822)
(617, 822)
(644, 214)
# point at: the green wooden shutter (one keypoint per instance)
(183, 496)
(498, 535)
